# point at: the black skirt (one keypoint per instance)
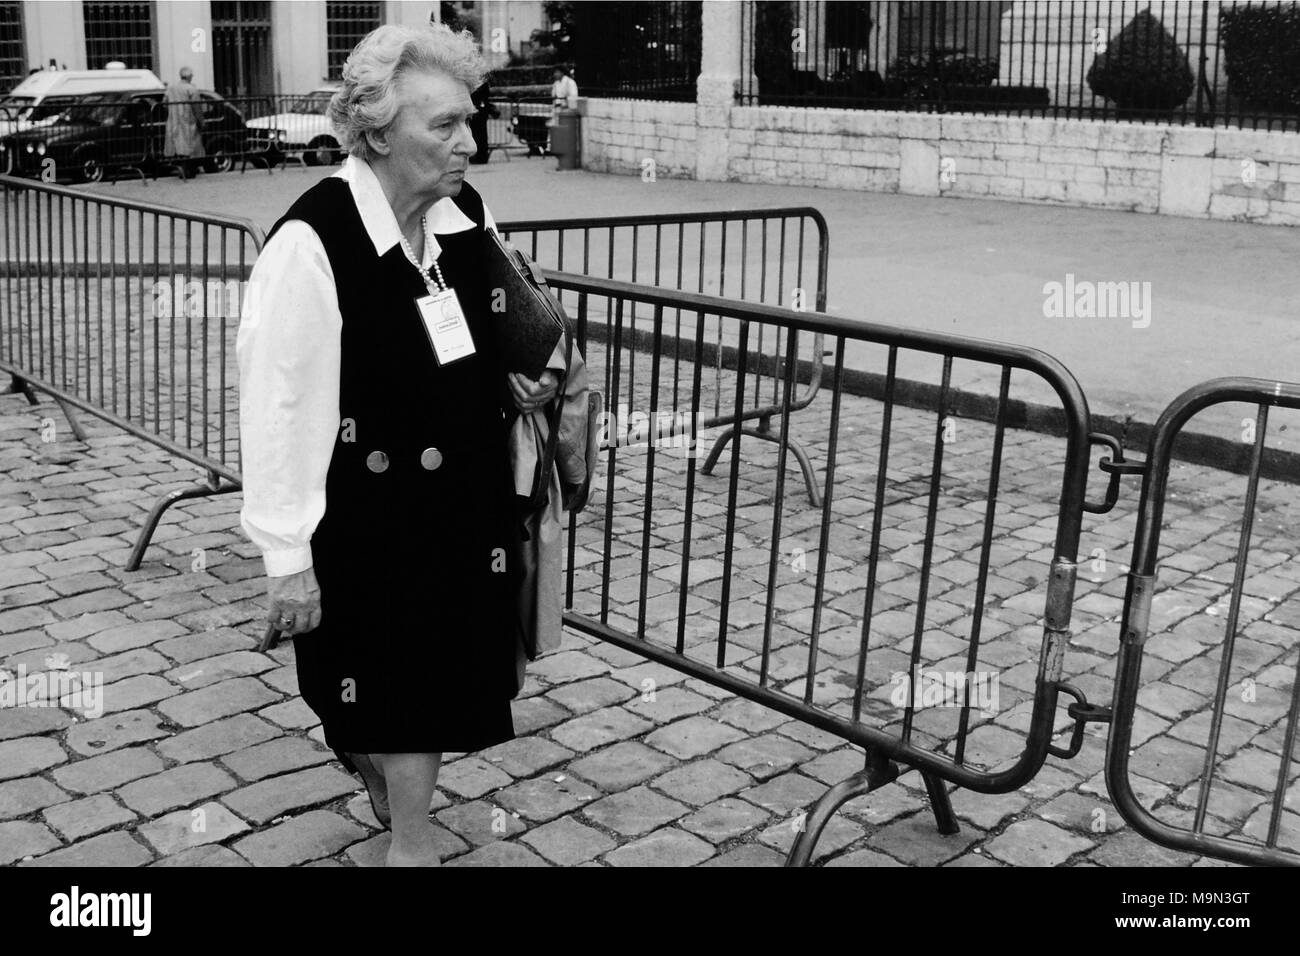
(417, 648)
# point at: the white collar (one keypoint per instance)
(444, 216)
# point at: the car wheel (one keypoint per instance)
(322, 151)
(220, 159)
(90, 166)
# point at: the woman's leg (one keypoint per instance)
(410, 779)
(375, 786)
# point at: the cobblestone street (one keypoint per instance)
(204, 755)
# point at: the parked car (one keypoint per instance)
(104, 131)
(36, 100)
(302, 127)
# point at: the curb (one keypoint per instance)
(1195, 448)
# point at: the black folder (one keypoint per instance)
(533, 321)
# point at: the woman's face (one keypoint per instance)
(430, 141)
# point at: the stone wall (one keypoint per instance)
(1185, 171)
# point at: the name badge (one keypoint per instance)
(446, 326)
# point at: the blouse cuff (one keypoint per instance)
(286, 561)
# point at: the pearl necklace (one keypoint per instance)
(410, 254)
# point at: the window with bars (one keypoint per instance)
(13, 52)
(119, 31)
(345, 24)
(241, 47)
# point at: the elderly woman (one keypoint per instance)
(377, 481)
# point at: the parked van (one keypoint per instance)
(39, 98)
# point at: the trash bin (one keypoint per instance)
(566, 139)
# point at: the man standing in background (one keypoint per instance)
(184, 122)
(564, 92)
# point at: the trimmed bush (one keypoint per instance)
(1142, 68)
(924, 77)
(1261, 49)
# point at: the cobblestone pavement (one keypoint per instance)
(204, 754)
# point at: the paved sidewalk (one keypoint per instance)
(1224, 295)
(206, 756)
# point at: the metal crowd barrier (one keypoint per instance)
(911, 566)
(1238, 664)
(904, 573)
(777, 257)
(714, 629)
(102, 136)
(128, 311)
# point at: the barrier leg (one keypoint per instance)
(805, 465)
(944, 818)
(716, 452)
(73, 422)
(161, 505)
(879, 771)
(22, 387)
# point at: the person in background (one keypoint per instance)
(184, 139)
(564, 92)
(478, 125)
(564, 96)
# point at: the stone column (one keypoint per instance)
(175, 24)
(495, 16)
(716, 88)
(298, 39)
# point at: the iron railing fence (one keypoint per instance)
(638, 50)
(1202, 63)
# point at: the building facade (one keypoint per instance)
(236, 47)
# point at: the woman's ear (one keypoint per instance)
(378, 140)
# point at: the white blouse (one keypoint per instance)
(288, 352)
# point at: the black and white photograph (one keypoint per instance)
(651, 434)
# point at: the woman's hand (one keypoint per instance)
(529, 395)
(295, 602)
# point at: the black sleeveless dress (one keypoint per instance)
(416, 650)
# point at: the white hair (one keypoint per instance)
(367, 101)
